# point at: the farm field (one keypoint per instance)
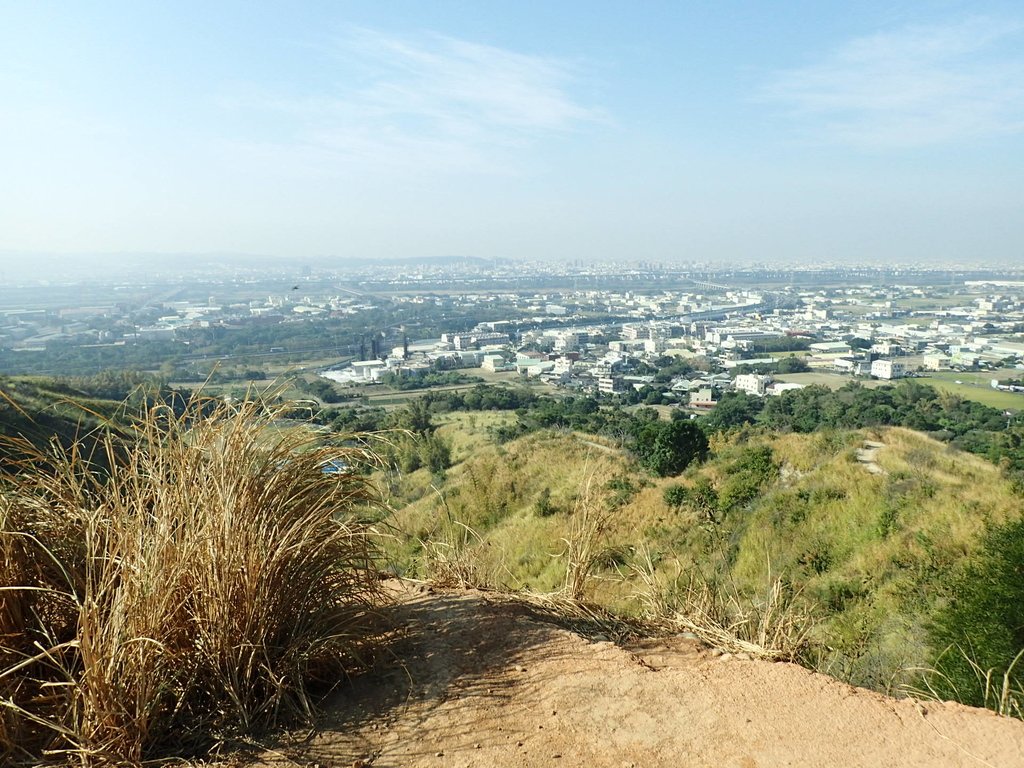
(975, 385)
(830, 380)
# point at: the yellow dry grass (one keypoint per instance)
(188, 590)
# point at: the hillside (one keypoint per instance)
(852, 538)
(474, 679)
(34, 411)
(840, 550)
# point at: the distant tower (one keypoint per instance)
(405, 346)
(362, 348)
(374, 350)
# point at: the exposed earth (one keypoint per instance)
(478, 680)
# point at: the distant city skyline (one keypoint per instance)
(324, 131)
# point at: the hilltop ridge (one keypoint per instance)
(478, 679)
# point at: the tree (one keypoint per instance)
(792, 364)
(734, 409)
(668, 447)
(674, 496)
(415, 417)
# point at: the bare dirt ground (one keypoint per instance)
(475, 680)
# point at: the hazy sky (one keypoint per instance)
(711, 131)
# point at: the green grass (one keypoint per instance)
(468, 430)
(830, 380)
(976, 386)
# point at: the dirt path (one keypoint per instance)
(868, 455)
(483, 682)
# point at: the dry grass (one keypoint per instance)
(1002, 694)
(191, 591)
(583, 547)
(774, 624)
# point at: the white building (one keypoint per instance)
(887, 369)
(936, 361)
(752, 383)
(494, 363)
(780, 387)
(610, 385)
(476, 339)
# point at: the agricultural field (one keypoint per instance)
(830, 380)
(975, 385)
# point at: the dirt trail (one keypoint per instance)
(868, 455)
(477, 681)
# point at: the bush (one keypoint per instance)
(544, 507)
(192, 590)
(747, 475)
(703, 499)
(981, 631)
(667, 447)
(674, 496)
(622, 491)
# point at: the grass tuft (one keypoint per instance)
(193, 585)
(1001, 693)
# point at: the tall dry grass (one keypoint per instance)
(773, 623)
(589, 523)
(191, 586)
(1002, 693)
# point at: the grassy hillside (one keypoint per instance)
(34, 411)
(868, 542)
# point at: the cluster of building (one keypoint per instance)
(30, 330)
(854, 332)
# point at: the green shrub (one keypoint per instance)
(982, 627)
(675, 496)
(666, 448)
(754, 468)
(544, 507)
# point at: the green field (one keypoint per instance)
(976, 386)
(830, 380)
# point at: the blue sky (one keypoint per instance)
(710, 132)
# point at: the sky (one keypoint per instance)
(699, 132)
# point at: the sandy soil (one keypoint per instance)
(480, 681)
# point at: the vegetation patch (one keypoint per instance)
(196, 586)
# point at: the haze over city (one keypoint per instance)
(324, 132)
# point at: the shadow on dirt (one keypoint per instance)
(442, 650)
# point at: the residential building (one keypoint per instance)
(752, 383)
(887, 369)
